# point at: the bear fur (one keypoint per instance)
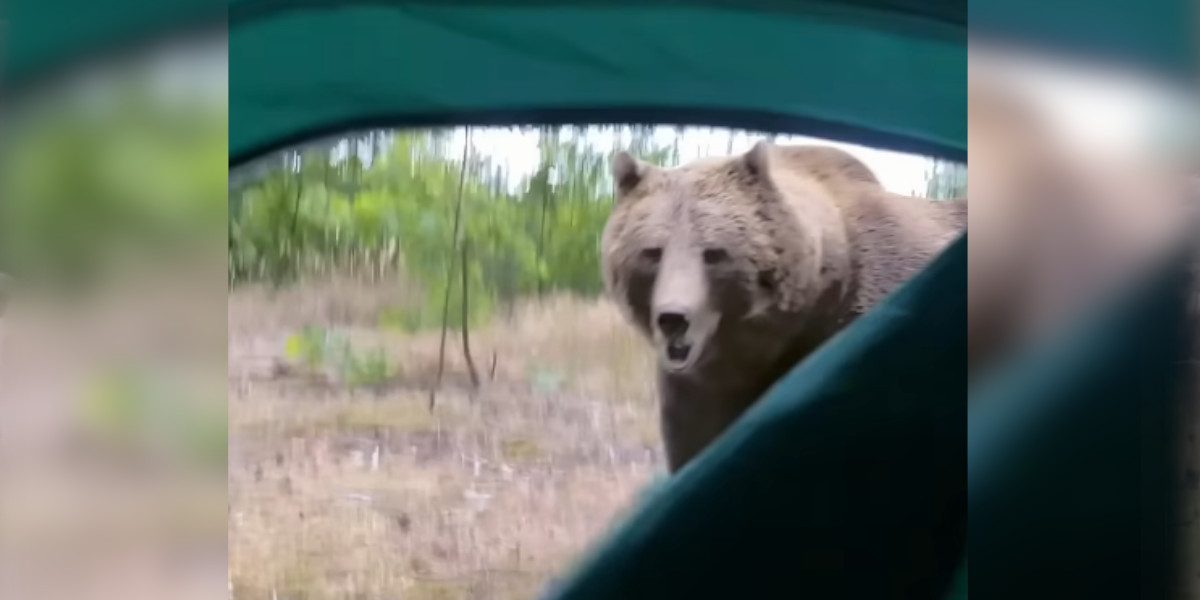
(1053, 227)
(735, 268)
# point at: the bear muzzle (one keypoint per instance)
(681, 334)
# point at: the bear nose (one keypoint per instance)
(672, 324)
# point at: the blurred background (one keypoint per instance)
(217, 384)
(112, 369)
(1099, 163)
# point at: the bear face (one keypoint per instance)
(699, 259)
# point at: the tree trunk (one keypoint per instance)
(291, 258)
(466, 328)
(462, 177)
(541, 243)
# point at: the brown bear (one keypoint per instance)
(1054, 227)
(736, 268)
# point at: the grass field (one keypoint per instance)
(366, 494)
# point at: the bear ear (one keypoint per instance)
(758, 158)
(627, 171)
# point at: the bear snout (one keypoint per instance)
(672, 323)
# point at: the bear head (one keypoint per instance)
(706, 257)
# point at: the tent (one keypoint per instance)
(859, 473)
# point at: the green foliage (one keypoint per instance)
(155, 412)
(369, 368)
(319, 350)
(318, 213)
(307, 347)
(92, 187)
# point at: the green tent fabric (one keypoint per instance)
(1071, 454)
(847, 480)
(958, 591)
(44, 39)
(1156, 35)
(832, 69)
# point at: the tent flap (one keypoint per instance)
(421, 64)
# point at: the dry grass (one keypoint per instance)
(335, 494)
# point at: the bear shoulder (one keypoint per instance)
(864, 208)
(837, 172)
(883, 238)
(828, 165)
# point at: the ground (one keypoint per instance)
(366, 494)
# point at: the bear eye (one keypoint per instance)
(713, 256)
(652, 254)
